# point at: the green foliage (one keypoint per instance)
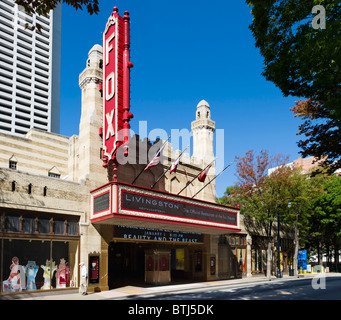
(304, 62)
(300, 60)
(227, 199)
(328, 210)
(43, 7)
(321, 133)
(302, 191)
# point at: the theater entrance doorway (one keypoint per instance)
(127, 264)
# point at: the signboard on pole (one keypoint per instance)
(302, 259)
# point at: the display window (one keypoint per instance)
(241, 259)
(32, 264)
(258, 260)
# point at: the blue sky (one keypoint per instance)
(183, 52)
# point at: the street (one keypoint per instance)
(324, 288)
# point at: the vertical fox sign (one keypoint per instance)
(116, 86)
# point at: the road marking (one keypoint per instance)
(285, 292)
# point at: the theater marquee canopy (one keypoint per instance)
(122, 204)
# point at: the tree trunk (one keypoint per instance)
(319, 253)
(268, 260)
(336, 256)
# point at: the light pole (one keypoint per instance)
(279, 273)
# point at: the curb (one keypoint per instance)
(132, 292)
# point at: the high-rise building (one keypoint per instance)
(29, 70)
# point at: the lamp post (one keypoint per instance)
(279, 273)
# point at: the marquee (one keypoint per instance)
(122, 204)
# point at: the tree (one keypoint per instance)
(302, 191)
(304, 62)
(227, 199)
(43, 7)
(300, 60)
(261, 195)
(321, 133)
(325, 230)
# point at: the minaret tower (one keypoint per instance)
(90, 143)
(202, 129)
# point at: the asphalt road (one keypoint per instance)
(323, 288)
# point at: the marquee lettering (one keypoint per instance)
(108, 47)
(110, 118)
(110, 92)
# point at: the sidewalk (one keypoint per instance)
(134, 292)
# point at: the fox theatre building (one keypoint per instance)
(97, 197)
(155, 236)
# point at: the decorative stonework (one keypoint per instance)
(86, 81)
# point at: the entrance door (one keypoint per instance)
(178, 264)
(125, 264)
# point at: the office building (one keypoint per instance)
(29, 70)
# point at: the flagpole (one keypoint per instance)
(152, 187)
(212, 179)
(196, 176)
(149, 162)
(187, 177)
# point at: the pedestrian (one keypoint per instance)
(83, 288)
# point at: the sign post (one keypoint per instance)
(302, 259)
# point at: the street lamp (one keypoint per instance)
(279, 273)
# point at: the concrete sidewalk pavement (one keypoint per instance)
(133, 292)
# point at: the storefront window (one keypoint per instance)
(64, 256)
(258, 260)
(12, 223)
(43, 225)
(59, 226)
(22, 261)
(72, 228)
(30, 265)
(241, 259)
(28, 224)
